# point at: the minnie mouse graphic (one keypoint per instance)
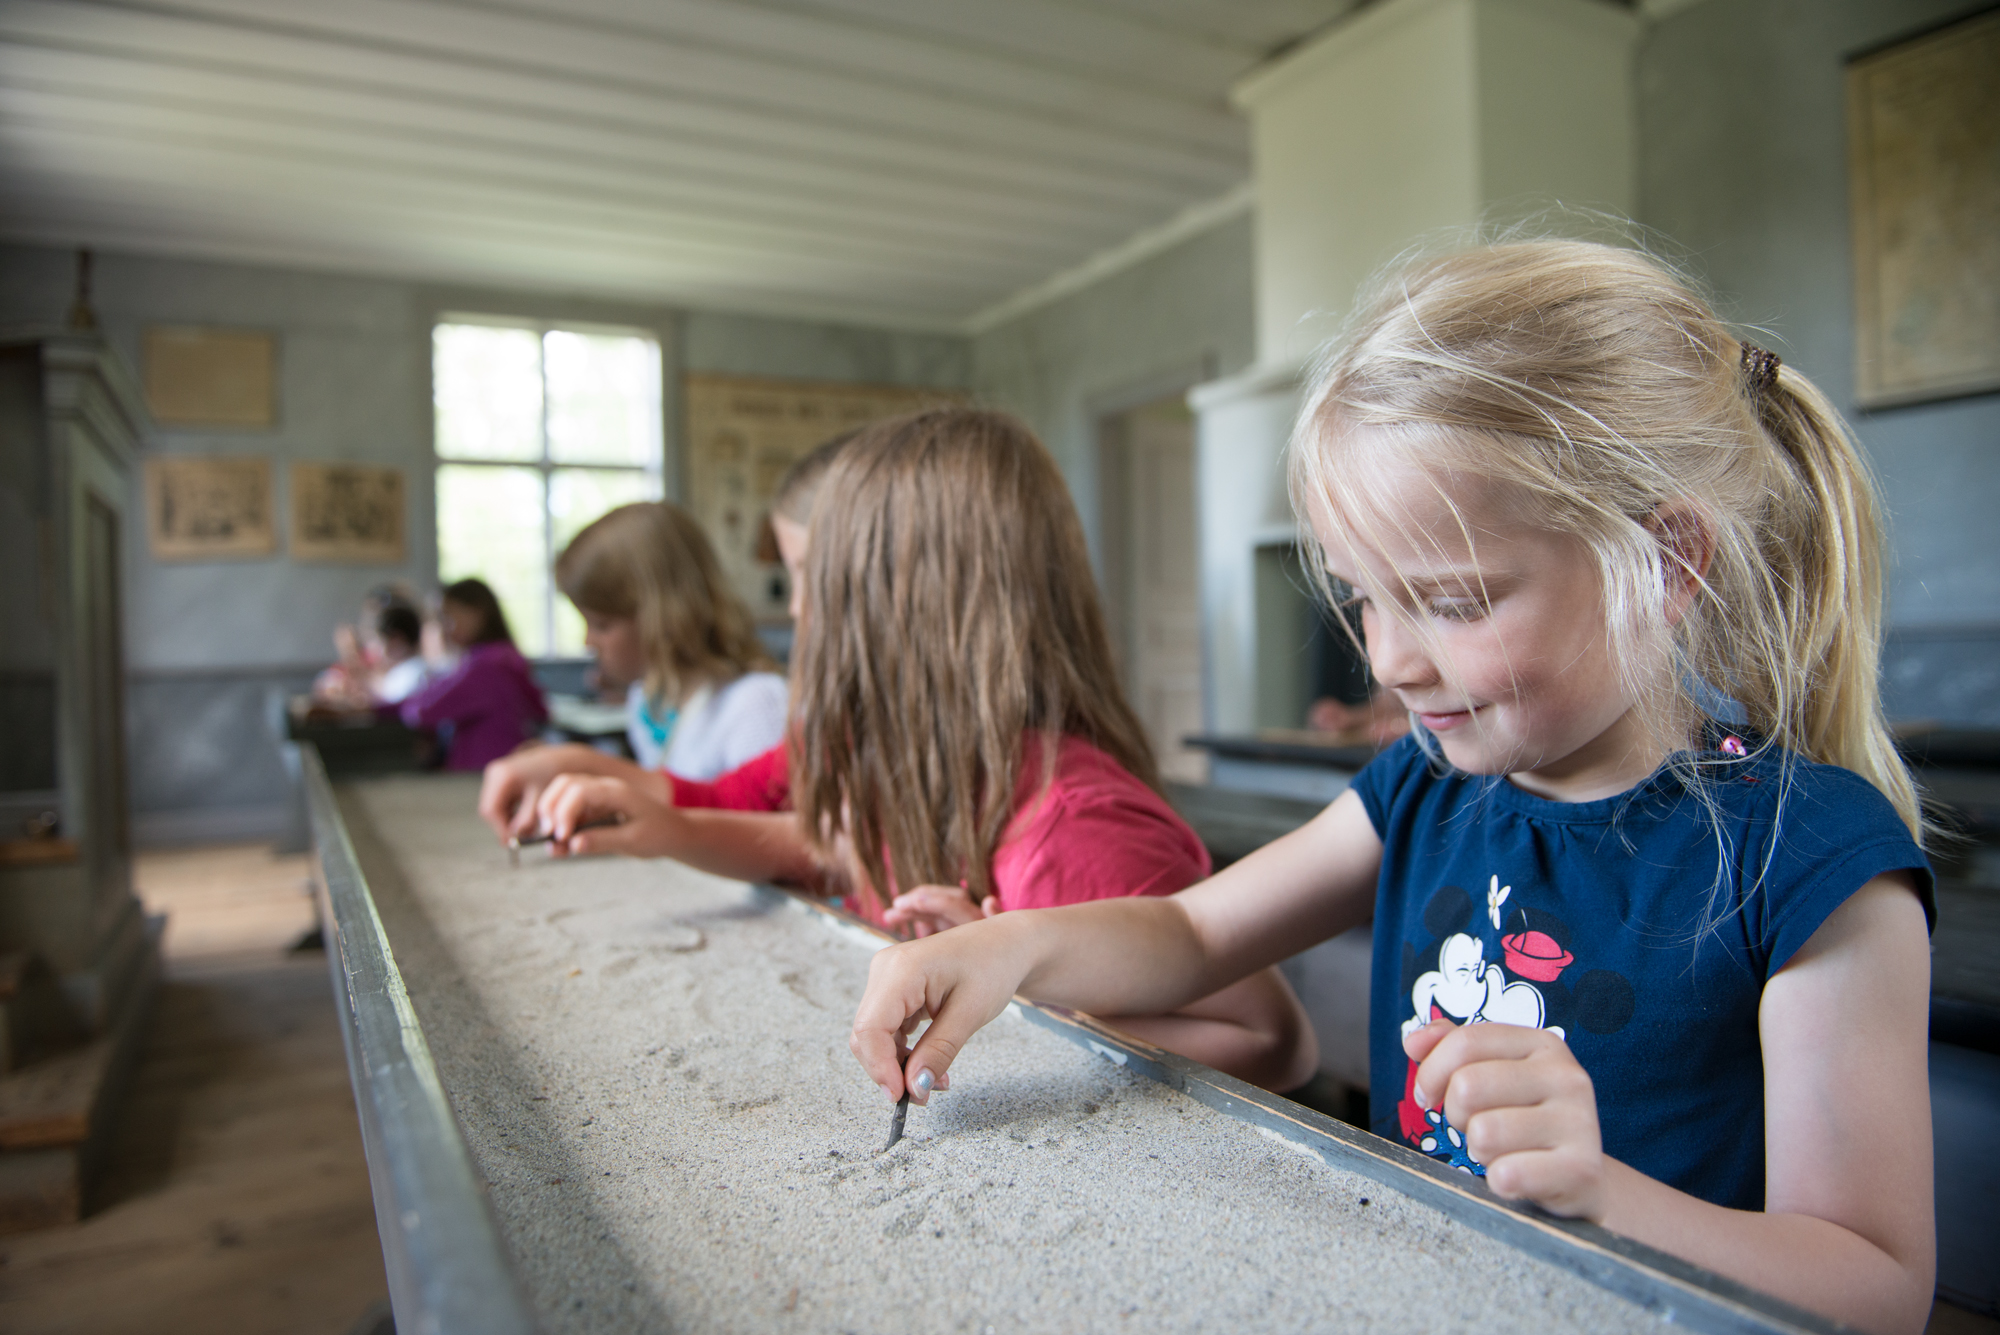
(1522, 987)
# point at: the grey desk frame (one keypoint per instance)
(449, 1272)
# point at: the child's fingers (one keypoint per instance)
(907, 982)
(1418, 1043)
(1526, 1082)
(524, 817)
(603, 841)
(1461, 1047)
(934, 907)
(890, 1005)
(500, 798)
(1561, 1181)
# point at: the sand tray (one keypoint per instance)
(649, 1077)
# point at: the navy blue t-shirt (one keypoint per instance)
(1585, 918)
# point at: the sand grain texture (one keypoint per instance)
(651, 1067)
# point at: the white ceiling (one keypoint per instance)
(903, 162)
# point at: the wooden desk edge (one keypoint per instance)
(447, 1265)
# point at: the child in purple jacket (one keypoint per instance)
(489, 704)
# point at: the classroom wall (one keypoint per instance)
(213, 648)
(1743, 162)
(1167, 323)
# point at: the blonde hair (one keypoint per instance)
(950, 616)
(1593, 382)
(651, 561)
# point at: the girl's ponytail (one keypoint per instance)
(1825, 558)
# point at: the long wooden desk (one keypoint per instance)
(616, 1096)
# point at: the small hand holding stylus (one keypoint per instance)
(590, 813)
(515, 843)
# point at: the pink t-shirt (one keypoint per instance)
(1096, 832)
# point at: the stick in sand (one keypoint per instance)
(515, 843)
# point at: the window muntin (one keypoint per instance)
(518, 408)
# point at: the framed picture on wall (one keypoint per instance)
(209, 509)
(347, 512)
(742, 434)
(1923, 124)
(198, 376)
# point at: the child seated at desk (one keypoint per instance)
(380, 659)
(490, 702)
(660, 616)
(961, 744)
(1649, 901)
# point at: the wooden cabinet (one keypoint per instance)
(77, 958)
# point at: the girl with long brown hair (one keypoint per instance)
(960, 745)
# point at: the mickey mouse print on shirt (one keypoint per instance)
(1496, 962)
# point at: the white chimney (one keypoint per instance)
(1412, 121)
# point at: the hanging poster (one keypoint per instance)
(197, 376)
(206, 509)
(347, 512)
(743, 434)
(1923, 123)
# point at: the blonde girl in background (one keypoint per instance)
(961, 746)
(512, 786)
(1649, 902)
(658, 614)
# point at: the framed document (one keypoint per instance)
(211, 377)
(743, 434)
(1923, 124)
(347, 512)
(209, 509)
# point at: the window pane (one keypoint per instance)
(490, 526)
(488, 387)
(576, 497)
(604, 399)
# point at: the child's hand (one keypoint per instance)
(511, 786)
(645, 828)
(1525, 1107)
(957, 980)
(934, 908)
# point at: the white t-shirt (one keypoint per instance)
(399, 683)
(714, 732)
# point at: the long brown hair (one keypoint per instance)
(950, 615)
(651, 561)
(477, 596)
(1599, 385)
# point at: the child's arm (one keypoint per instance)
(1130, 956)
(1847, 1224)
(513, 784)
(743, 845)
(1255, 1030)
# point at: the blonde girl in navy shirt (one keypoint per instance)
(1650, 908)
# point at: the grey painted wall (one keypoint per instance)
(1743, 161)
(213, 648)
(1183, 316)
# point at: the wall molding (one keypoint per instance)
(1135, 249)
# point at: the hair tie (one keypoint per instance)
(1760, 369)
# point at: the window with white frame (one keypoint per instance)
(540, 430)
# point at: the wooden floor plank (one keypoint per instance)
(236, 1196)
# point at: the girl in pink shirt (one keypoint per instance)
(960, 742)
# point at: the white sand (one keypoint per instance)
(651, 1067)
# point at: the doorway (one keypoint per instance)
(1152, 571)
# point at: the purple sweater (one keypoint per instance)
(490, 700)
